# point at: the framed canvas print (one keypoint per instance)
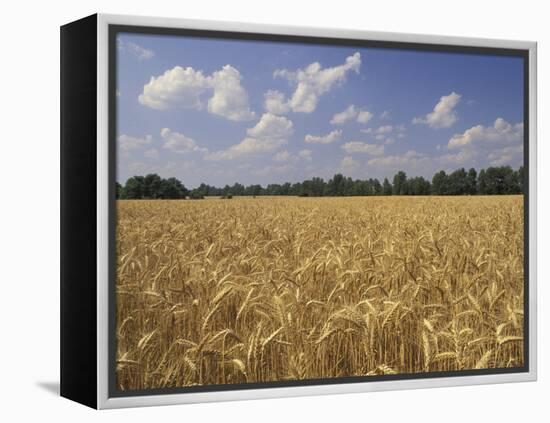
(255, 211)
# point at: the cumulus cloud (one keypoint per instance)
(348, 163)
(364, 116)
(386, 129)
(267, 135)
(386, 133)
(411, 159)
(151, 154)
(362, 147)
(247, 146)
(272, 127)
(443, 114)
(501, 132)
(385, 115)
(342, 117)
(176, 87)
(179, 143)
(329, 138)
(136, 50)
(506, 155)
(190, 88)
(269, 170)
(464, 157)
(305, 154)
(309, 84)
(497, 145)
(230, 99)
(127, 142)
(274, 102)
(351, 113)
(282, 156)
(286, 156)
(501, 144)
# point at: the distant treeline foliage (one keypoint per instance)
(491, 181)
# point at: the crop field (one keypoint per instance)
(284, 288)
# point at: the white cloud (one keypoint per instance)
(342, 117)
(364, 116)
(386, 133)
(305, 154)
(349, 163)
(362, 147)
(230, 99)
(269, 170)
(506, 155)
(501, 144)
(176, 87)
(501, 132)
(312, 82)
(246, 147)
(351, 113)
(151, 154)
(127, 142)
(136, 50)
(179, 143)
(329, 138)
(410, 159)
(282, 156)
(385, 115)
(189, 88)
(271, 126)
(139, 167)
(443, 114)
(267, 135)
(286, 156)
(386, 129)
(463, 157)
(140, 52)
(274, 102)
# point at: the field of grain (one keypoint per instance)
(283, 288)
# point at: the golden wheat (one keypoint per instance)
(282, 288)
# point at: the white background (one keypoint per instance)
(29, 236)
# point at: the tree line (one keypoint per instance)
(491, 181)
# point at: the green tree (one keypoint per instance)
(172, 188)
(440, 183)
(500, 180)
(151, 186)
(419, 186)
(119, 191)
(482, 182)
(471, 182)
(386, 187)
(237, 189)
(134, 188)
(400, 183)
(317, 186)
(457, 182)
(377, 187)
(335, 186)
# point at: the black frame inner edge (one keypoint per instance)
(113, 30)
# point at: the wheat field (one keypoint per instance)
(283, 288)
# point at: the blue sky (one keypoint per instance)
(225, 111)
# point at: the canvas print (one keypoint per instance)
(294, 211)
